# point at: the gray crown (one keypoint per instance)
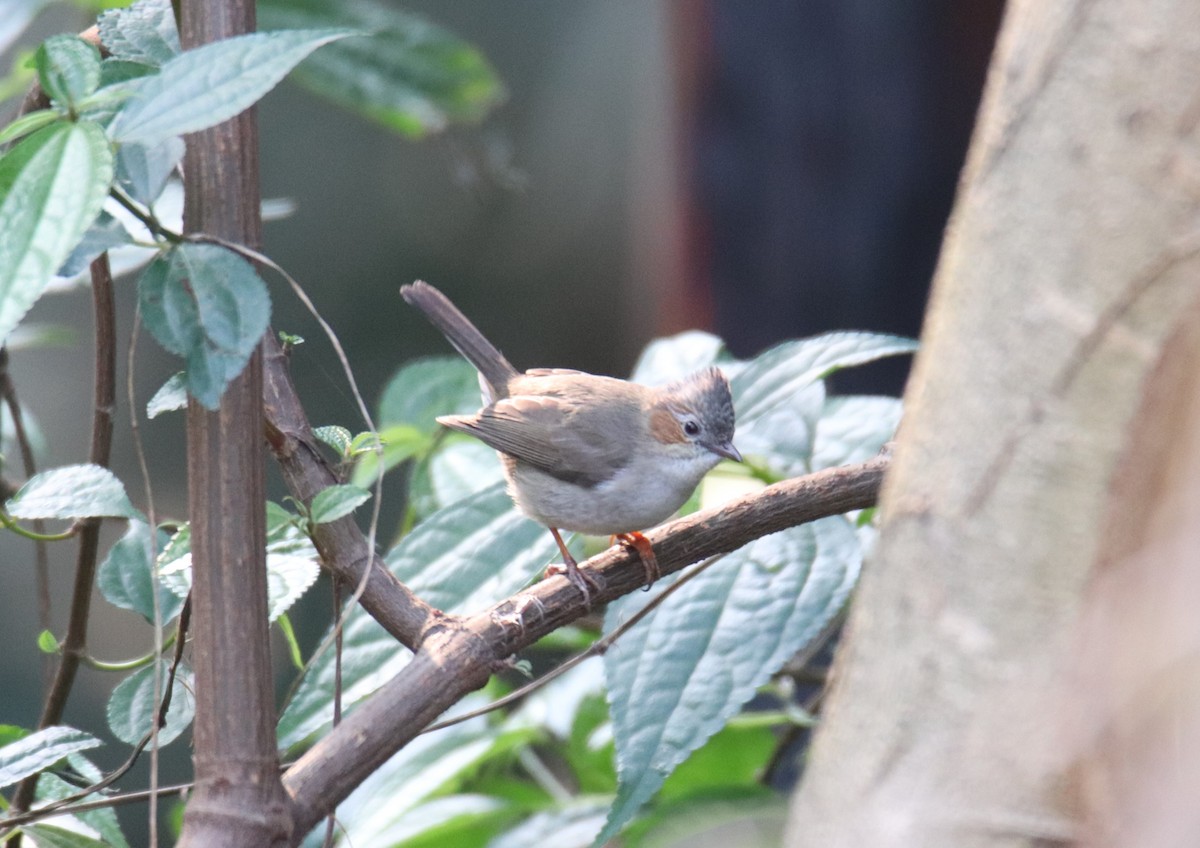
(707, 394)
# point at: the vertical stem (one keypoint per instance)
(74, 644)
(239, 799)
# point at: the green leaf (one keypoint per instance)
(334, 502)
(40, 750)
(171, 395)
(126, 576)
(28, 123)
(779, 396)
(143, 170)
(144, 33)
(772, 378)
(472, 553)
(573, 825)
(105, 233)
(68, 68)
(52, 185)
(377, 813)
(854, 428)
(399, 443)
(664, 360)
(461, 468)
(292, 563)
(103, 821)
(53, 836)
(409, 75)
(426, 388)
(203, 87)
(208, 305)
(460, 559)
(72, 491)
(336, 437)
(131, 706)
(47, 642)
(744, 617)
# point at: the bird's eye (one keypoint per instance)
(691, 428)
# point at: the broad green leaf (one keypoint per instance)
(28, 123)
(103, 821)
(672, 358)
(334, 502)
(52, 185)
(131, 706)
(399, 443)
(68, 68)
(203, 87)
(145, 32)
(463, 821)
(336, 437)
(126, 576)
(854, 428)
(292, 564)
(208, 305)
(460, 559)
(779, 396)
(756, 814)
(742, 618)
(571, 826)
(772, 378)
(376, 812)
(410, 75)
(461, 468)
(105, 233)
(40, 750)
(142, 171)
(472, 553)
(171, 395)
(72, 491)
(53, 836)
(426, 388)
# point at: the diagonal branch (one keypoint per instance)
(459, 656)
(341, 544)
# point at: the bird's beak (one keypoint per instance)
(728, 451)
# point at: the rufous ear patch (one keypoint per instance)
(666, 427)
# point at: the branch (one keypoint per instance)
(341, 544)
(459, 656)
(74, 644)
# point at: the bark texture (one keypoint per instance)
(1072, 254)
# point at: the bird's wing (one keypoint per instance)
(570, 441)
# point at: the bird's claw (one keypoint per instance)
(640, 545)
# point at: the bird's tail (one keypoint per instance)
(461, 333)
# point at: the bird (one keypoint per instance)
(587, 453)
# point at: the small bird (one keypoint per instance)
(584, 453)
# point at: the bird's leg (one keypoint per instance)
(640, 545)
(574, 573)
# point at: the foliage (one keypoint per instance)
(662, 716)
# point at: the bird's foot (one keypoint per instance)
(582, 580)
(640, 545)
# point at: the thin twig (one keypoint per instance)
(74, 644)
(40, 549)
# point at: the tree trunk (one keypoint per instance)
(239, 798)
(979, 699)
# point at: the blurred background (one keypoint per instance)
(763, 169)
